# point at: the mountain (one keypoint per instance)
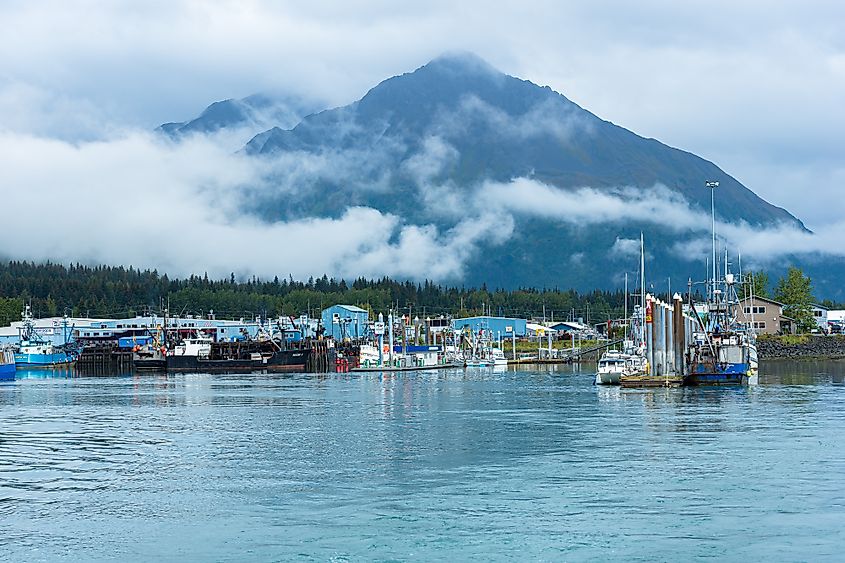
(502, 128)
(545, 193)
(257, 112)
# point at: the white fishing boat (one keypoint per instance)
(613, 365)
(498, 357)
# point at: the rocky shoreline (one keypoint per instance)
(798, 347)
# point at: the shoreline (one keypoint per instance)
(801, 347)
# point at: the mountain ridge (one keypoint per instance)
(542, 192)
(585, 150)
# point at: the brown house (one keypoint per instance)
(767, 316)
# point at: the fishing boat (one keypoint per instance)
(723, 351)
(34, 351)
(149, 357)
(201, 353)
(631, 361)
(7, 364)
(498, 357)
(614, 365)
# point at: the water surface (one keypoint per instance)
(456, 465)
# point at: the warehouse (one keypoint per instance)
(345, 321)
(499, 327)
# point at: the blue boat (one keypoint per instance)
(36, 352)
(724, 352)
(7, 365)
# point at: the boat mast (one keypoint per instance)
(625, 316)
(641, 331)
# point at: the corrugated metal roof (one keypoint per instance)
(350, 308)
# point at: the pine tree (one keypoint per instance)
(795, 291)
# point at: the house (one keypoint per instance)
(345, 321)
(820, 314)
(765, 316)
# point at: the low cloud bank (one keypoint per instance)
(139, 199)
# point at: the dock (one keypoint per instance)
(103, 359)
(669, 333)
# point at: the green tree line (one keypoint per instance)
(108, 291)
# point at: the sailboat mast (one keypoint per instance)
(625, 337)
(641, 331)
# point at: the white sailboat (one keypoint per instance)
(631, 360)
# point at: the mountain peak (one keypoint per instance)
(464, 62)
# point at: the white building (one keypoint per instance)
(820, 314)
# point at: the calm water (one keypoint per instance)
(475, 465)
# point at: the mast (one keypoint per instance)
(625, 335)
(641, 334)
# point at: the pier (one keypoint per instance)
(104, 359)
(669, 333)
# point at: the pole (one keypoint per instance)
(390, 336)
(381, 342)
(713, 186)
(625, 316)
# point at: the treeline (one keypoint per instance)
(106, 291)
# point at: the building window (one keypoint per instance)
(817, 313)
(757, 310)
(760, 324)
(747, 310)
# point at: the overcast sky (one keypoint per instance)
(757, 87)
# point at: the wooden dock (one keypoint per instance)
(651, 381)
(104, 359)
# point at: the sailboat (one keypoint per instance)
(631, 360)
(724, 351)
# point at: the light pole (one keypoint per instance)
(713, 186)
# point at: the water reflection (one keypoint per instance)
(522, 463)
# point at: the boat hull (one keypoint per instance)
(608, 378)
(280, 361)
(24, 360)
(150, 364)
(7, 372)
(724, 374)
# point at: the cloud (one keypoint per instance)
(587, 206)
(141, 199)
(553, 117)
(660, 207)
(625, 248)
(138, 199)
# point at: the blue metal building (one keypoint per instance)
(345, 321)
(504, 327)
